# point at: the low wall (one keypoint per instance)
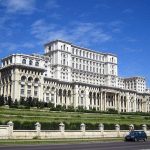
(4, 131)
(7, 132)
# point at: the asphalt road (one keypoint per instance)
(86, 146)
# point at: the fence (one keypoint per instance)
(7, 132)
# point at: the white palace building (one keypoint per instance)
(73, 76)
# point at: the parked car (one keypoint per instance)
(136, 136)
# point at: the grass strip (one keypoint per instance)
(57, 141)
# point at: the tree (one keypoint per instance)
(35, 102)
(51, 105)
(22, 101)
(16, 103)
(41, 104)
(80, 109)
(5, 101)
(10, 102)
(29, 102)
(70, 109)
(2, 101)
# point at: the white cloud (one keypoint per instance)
(127, 11)
(87, 33)
(16, 47)
(22, 6)
(116, 26)
(52, 4)
(132, 50)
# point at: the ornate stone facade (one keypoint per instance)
(70, 75)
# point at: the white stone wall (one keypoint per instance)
(7, 132)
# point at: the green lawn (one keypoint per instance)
(57, 141)
(37, 115)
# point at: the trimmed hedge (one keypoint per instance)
(68, 126)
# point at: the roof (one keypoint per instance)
(73, 45)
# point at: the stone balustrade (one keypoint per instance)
(8, 132)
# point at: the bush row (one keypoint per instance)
(68, 126)
(34, 102)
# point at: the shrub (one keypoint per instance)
(2, 100)
(50, 105)
(70, 109)
(109, 126)
(26, 125)
(112, 111)
(80, 109)
(49, 125)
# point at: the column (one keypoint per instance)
(55, 96)
(82, 127)
(5, 89)
(32, 90)
(105, 104)
(101, 129)
(61, 127)
(131, 127)
(25, 89)
(62, 97)
(10, 129)
(87, 100)
(76, 95)
(96, 101)
(8, 92)
(127, 102)
(144, 127)
(123, 104)
(119, 102)
(115, 101)
(117, 128)
(67, 99)
(101, 101)
(134, 105)
(38, 129)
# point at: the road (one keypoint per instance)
(85, 146)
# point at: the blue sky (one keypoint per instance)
(116, 26)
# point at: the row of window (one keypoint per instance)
(29, 91)
(87, 68)
(88, 54)
(24, 61)
(77, 60)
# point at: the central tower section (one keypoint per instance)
(59, 53)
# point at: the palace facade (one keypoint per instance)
(71, 75)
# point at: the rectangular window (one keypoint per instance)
(52, 97)
(72, 65)
(29, 92)
(35, 93)
(29, 86)
(22, 91)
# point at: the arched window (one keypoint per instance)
(30, 62)
(30, 79)
(24, 61)
(64, 93)
(36, 63)
(69, 93)
(60, 92)
(36, 80)
(90, 94)
(23, 78)
(48, 88)
(53, 88)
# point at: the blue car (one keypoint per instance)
(136, 136)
